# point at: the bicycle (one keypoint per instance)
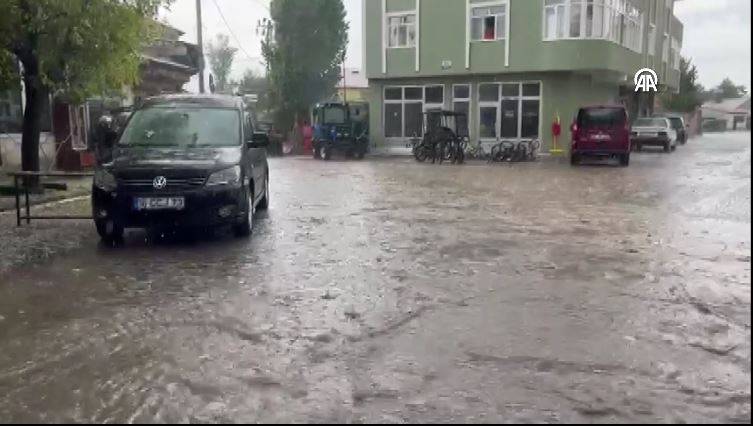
(475, 152)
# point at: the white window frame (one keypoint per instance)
(498, 105)
(403, 101)
(613, 16)
(675, 50)
(498, 35)
(388, 29)
(453, 100)
(434, 105)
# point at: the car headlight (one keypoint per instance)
(105, 180)
(231, 177)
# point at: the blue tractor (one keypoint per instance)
(341, 127)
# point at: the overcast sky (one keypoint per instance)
(717, 33)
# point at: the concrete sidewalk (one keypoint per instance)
(77, 186)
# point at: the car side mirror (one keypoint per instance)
(258, 140)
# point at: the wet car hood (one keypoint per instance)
(179, 158)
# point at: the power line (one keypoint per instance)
(240, 46)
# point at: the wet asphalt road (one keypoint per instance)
(386, 290)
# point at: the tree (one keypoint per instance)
(727, 90)
(251, 83)
(690, 95)
(73, 49)
(221, 56)
(303, 48)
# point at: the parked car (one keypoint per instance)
(678, 124)
(654, 131)
(183, 161)
(601, 131)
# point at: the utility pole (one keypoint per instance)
(345, 87)
(201, 46)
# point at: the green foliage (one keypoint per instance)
(81, 47)
(690, 96)
(728, 90)
(251, 83)
(303, 44)
(221, 56)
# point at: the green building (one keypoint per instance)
(513, 65)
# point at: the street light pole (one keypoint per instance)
(200, 43)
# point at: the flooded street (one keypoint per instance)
(389, 291)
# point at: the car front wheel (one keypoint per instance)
(246, 225)
(109, 230)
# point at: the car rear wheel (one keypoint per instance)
(574, 159)
(246, 225)
(109, 230)
(667, 147)
(625, 160)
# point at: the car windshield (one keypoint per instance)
(601, 118)
(333, 115)
(650, 122)
(182, 127)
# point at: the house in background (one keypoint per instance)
(353, 86)
(728, 114)
(513, 66)
(167, 65)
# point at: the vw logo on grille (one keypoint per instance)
(159, 182)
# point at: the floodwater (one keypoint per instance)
(390, 291)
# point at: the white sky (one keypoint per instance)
(717, 33)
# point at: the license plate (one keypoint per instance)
(647, 135)
(159, 203)
(600, 137)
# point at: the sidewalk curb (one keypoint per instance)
(55, 199)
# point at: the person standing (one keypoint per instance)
(308, 138)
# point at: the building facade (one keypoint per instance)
(513, 65)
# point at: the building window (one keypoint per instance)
(619, 21)
(509, 110)
(665, 49)
(675, 57)
(488, 22)
(11, 114)
(555, 15)
(461, 103)
(393, 120)
(401, 30)
(488, 122)
(404, 107)
(434, 95)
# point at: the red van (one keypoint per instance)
(601, 131)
